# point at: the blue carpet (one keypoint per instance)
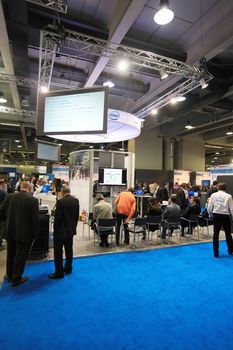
(175, 298)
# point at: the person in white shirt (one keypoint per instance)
(220, 207)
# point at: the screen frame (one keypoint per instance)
(103, 184)
(41, 109)
(48, 144)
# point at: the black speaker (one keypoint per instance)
(57, 184)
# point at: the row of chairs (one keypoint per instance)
(148, 226)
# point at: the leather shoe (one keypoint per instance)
(19, 282)
(216, 255)
(67, 271)
(55, 276)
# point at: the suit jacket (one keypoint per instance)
(66, 217)
(181, 199)
(159, 194)
(171, 213)
(21, 213)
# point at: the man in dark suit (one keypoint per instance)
(65, 222)
(181, 198)
(3, 194)
(158, 192)
(21, 212)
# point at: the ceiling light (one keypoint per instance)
(203, 83)
(9, 124)
(91, 146)
(122, 65)
(17, 141)
(19, 146)
(44, 89)
(229, 132)
(212, 161)
(164, 15)
(2, 98)
(154, 111)
(215, 157)
(180, 98)
(109, 83)
(163, 74)
(188, 126)
(217, 153)
(173, 101)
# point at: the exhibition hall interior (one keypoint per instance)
(103, 96)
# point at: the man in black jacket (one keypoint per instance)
(65, 222)
(21, 213)
(3, 194)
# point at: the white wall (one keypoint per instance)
(192, 154)
(148, 152)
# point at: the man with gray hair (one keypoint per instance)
(21, 212)
(65, 222)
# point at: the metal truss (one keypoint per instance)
(28, 82)
(55, 5)
(164, 100)
(21, 112)
(89, 45)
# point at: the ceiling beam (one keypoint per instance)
(121, 25)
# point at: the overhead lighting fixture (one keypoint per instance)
(229, 132)
(2, 98)
(154, 111)
(203, 83)
(217, 153)
(109, 83)
(180, 98)
(91, 146)
(188, 126)
(9, 124)
(44, 89)
(17, 141)
(163, 74)
(164, 15)
(122, 65)
(19, 146)
(173, 101)
(215, 157)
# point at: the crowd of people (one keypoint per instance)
(19, 219)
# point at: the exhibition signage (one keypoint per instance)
(201, 176)
(61, 172)
(181, 176)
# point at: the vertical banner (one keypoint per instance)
(181, 176)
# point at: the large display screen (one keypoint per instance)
(48, 151)
(112, 177)
(73, 112)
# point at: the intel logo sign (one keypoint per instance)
(114, 115)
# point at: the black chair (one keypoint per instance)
(106, 227)
(172, 226)
(205, 222)
(191, 223)
(139, 226)
(154, 225)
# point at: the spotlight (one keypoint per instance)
(44, 89)
(163, 74)
(173, 101)
(122, 65)
(180, 98)
(203, 83)
(164, 15)
(109, 83)
(2, 98)
(154, 111)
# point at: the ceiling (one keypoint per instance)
(204, 28)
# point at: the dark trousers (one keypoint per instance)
(17, 254)
(120, 218)
(58, 254)
(224, 221)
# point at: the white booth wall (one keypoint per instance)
(84, 171)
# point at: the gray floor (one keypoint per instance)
(84, 245)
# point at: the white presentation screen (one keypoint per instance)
(113, 177)
(48, 151)
(70, 112)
